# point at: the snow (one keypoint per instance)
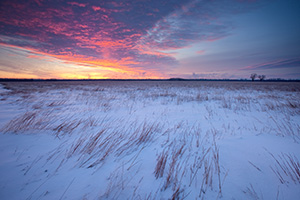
(149, 140)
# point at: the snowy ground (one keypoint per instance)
(149, 140)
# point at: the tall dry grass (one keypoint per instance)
(131, 126)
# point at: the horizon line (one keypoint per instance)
(147, 79)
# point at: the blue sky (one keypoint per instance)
(150, 39)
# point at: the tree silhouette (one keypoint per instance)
(253, 76)
(261, 77)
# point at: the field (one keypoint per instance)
(149, 140)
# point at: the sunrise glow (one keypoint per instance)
(149, 39)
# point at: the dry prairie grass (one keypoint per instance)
(127, 124)
(287, 168)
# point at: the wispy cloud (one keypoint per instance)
(75, 4)
(283, 63)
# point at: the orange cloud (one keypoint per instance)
(4, 74)
(118, 68)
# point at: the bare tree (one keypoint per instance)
(261, 77)
(253, 76)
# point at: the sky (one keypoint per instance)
(141, 39)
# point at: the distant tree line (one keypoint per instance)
(260, 77)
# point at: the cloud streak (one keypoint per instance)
(276, 64)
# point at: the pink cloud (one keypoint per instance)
(97, 8)
(38, 2)
(201, 52)
(77, 4)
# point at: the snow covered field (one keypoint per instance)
(149, 140)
